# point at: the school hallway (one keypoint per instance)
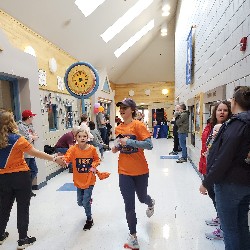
(178, 223)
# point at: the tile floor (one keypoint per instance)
(178, 222)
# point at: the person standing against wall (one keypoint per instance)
(27, 130)
(175, 131)
(182, 121)
(229, 173)
(101, 124)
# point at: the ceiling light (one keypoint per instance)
(28, 49)
(87, 7)
(126, 19)
(164, 29)
(164, 91)
(165, 8)
(134, 38)
(165, 13)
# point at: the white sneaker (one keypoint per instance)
(132, 243)
(215, 235)
(213, 222)
(150, 210)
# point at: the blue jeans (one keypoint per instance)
(83, 200)
(103, 132)
(129, 185)
(183, 144)
(232, 203)
(101, 149)
(31, 162)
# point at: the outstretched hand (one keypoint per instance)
(60, 161)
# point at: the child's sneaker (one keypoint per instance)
(213, 222)
(3, 237)
(132, 243)
(88, 225)
(28, 241)
(150, 210)
(215, 235)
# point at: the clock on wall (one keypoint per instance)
(81, 80)
(52, 65)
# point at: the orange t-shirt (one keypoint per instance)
(12, 159)
(82, 160)
(132, 160)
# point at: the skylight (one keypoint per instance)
(126, 19)
(135, 38)
(88, 6)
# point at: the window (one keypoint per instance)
(52, 117)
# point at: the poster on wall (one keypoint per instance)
(198, 113)
(189, 58)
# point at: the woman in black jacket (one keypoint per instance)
(228, 170)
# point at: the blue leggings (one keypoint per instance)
(129, 185)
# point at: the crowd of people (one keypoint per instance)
(224, 165)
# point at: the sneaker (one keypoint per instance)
(173, 153)
(132, 243)
(213, 222)
(88, 225)
(150, 210)
(215, 235)
(3, 237)
(181, 160)
(28, 241)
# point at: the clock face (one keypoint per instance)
(81, 80)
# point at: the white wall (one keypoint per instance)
(218, 61)
(220, 25)
(26, 73)
(155, 62)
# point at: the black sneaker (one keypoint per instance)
(181, 160)
(173, 153)
(3, 237)
(28, 241)
(88, 225)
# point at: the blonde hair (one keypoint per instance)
(7, 126)
(78, 130)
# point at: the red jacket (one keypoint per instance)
(203, 161)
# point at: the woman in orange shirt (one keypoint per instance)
(132, 138)
(15, 182)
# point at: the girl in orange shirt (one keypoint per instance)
(133, 138)
(84, 160)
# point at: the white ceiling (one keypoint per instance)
(62, 23)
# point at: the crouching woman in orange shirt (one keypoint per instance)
(133, 138)
(15, 181)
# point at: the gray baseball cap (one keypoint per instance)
(127, 102)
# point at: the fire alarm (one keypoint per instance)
(243, 43)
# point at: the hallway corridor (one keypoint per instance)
(178, 223)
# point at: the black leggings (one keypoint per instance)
(15, 186)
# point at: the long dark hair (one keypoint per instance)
(213, 120)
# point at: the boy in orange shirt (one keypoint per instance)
(84, 160)
(133, 138)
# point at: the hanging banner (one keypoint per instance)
(189, 58)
